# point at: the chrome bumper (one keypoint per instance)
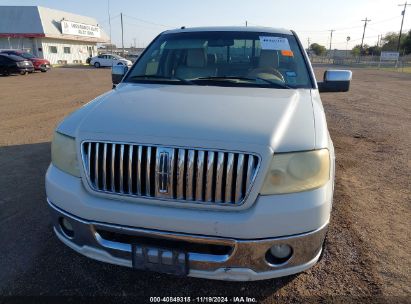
(244, 260)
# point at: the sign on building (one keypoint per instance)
(79, 29)
(389, 56)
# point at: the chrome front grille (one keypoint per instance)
(179, 174)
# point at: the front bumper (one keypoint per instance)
(24, 69)
(42, 67)
(244, 260)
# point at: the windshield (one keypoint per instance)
(27, 55)
(223, 59)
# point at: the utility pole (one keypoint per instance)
(308, 41)
(135, 45)
(246, 23)
(109, 24)
(363, 33)
(331, 40)
(402, 22)
(122, 33)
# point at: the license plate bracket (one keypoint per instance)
(160, 260)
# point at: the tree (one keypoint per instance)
(407, 43)
(390, 41)
(356, 50)
(374, 50)
(318, 49)
(366, 50)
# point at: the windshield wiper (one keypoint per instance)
(148, 77)
(225, 78)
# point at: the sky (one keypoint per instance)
(312, 20)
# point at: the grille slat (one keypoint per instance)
(209, 177)
(121, 169)
(219, 178)
(180, 173)
(250, 172)
(139, 157)
(130, 169)
(148, 171)
(112, 171)
(229, 177)
(200, 176)
(239, 179)
(96, 157)
(89, 158)
(191, 175)
(104, 168)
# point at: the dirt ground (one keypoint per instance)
(368, 248)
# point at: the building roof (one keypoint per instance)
(233, 29)
(37, 21)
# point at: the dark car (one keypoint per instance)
(11, 64)
(39, 64)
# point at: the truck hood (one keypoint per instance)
(279, 118)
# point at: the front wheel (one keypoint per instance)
(23, 73)
(43, 71)
(97, 65)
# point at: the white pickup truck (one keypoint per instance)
(209, 158)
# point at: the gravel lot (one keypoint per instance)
(368, 247)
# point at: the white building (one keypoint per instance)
(57, 36)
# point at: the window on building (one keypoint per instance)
(53, 49)
(67, 50)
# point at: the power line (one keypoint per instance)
(145, 21)
(339, 29)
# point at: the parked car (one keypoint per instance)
(108, 60)
(132, 57)
(39, 64)
(200, 163)
(11, 64)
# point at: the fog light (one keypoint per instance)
(66, 227)
(279, 254)
(281, 251)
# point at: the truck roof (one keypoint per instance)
(232, 29)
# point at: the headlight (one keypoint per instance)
(63, 154)
(296, 172)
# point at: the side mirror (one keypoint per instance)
(335, 81)
(117, 73)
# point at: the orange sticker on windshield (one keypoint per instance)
(287, 53)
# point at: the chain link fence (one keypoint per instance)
(402, 65)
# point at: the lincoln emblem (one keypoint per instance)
(163, 172)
